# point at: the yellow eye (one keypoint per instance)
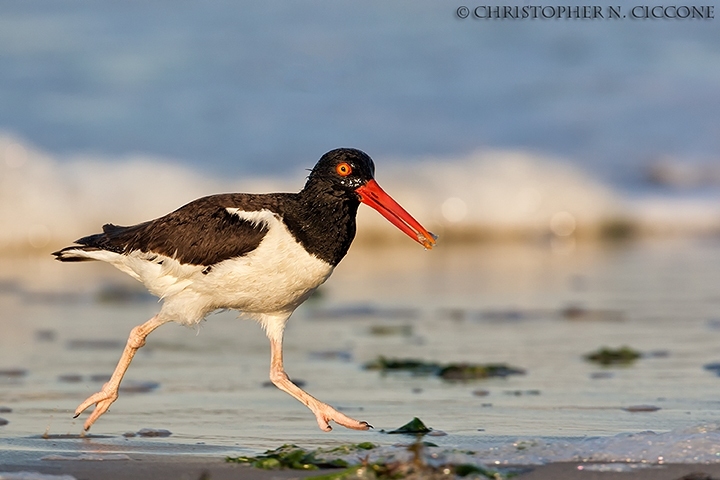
(343, 169)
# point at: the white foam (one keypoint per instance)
(697, 444)
(620, 453)
(496, 191)
(33, 476)
(46, 203)
(90, 457)
(625, 452)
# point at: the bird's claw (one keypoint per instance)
(330, 414)
(102, 401)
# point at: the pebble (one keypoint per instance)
(138, 387)
(384, 330)
(713, 367)
(299, 383)
(641, 408)
(341, 355)
(45, 335)
(518, 393)
(153, 432)
(70, 378)
(341, 408)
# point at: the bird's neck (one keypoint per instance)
(324, 222)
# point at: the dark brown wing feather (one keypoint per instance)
(202, 232)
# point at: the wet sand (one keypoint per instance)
(166, 467)
(533, 307)
(156, 468)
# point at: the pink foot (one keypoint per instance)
(102, 401)
(326, 413)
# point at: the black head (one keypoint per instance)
(345, 177)
(343, 169)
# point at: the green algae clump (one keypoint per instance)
(613, 356)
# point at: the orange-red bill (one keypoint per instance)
(372, 195)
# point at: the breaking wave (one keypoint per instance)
(47, 202)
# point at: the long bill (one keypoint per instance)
(372, 195)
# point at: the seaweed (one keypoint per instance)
(450, 371)
(416, 468)
(346, 449)
(296, 458)
(617, 356)
(413, 427)
(385, 330)
(470, 371)
(416, 367)
(618, 229)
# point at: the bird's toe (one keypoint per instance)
(351, 423)
(102, 401)
(324, 424)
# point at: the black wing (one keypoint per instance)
(202, 232)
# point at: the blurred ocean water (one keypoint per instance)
(238, 88)
(123, 112)
(259, 88)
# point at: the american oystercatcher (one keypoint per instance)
(262, 255)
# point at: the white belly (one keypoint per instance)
(275, 278)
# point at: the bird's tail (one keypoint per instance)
(99, 246)
(76, 253)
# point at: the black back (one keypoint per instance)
(202, 232)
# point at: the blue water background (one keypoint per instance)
(238, 88)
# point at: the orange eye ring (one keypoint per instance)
(343, 169)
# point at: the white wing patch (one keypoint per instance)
(259, 217)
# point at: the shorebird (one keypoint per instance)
(260, 254)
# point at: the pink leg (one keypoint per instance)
(109, 393)
(323, 412)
